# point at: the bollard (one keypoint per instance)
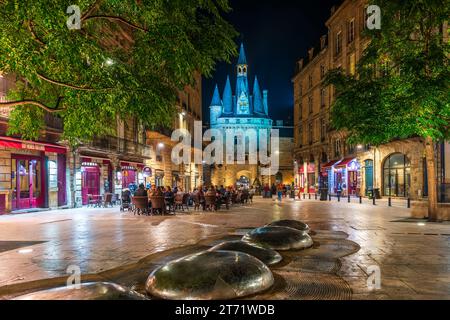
(304, 196)
(329, 197)
(349, 199)
(339, 198)
(309, 196)
(315, 196)
(390, 202)
(373, 200)
(360, 199)
(409, 203)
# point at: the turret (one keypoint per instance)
(242, 92)
(258, 104)
(266, 102)
(215, 107)
(227, 98)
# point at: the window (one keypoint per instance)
(322, 71)
(310, 132)
(322, 97)
(352, 64)
(323, 129)
(351, 31)
(396, 175)
(310, 104)
(300, 111)
(300, 135)
(338, 48)
(337, 148)
(310, 81)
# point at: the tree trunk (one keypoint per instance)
(433, 212)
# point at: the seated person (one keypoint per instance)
(141, 192)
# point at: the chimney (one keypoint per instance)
(323, 42)
(300, 64)
(333, 10)
(311, 53)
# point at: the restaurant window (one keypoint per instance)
(396, 175)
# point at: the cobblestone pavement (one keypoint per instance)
(413, 255)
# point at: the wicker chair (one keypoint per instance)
(196, 200)
(158, 204)
(210, 202)
(140, 205)
(181, 201)
(108, 200)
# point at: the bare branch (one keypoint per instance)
(28, 102)
(115, 18)
(61, 84)
(91, 10)
(33, 33)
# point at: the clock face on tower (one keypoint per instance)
(243, 105)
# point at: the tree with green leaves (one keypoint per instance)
(401, 88)
(89, 78)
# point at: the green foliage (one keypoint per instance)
(90, 81)
(402, 85)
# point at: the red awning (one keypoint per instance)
(14, 143)
(330, 164)
(345, 162)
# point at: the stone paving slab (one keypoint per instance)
(414, 259)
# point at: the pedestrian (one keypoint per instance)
(280, 192)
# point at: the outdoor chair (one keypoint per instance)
(158, 204)
(108, 200)
(91, 202)
(140, 205)
(181, 201)
(210, 202)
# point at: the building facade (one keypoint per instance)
(165, 172)
(242, 112)
(324, 157)
(33, 174)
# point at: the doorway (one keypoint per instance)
(26, 182)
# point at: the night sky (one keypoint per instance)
(276, 33)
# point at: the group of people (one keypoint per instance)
(280, 190)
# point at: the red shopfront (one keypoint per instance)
(307, 180)
(130, 173)
(33, 175)
(347, 174)
(95, 172)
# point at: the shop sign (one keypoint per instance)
(147, 172)
(31, 146)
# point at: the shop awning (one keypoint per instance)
(330, 164)
(344, 163)
(31, 145)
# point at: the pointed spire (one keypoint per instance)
(216, 98)
(242, 58)
(258, 105)
(227, 98)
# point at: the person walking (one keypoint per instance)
(280, 192)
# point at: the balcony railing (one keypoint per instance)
(117, 145)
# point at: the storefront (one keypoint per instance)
(347, 177)
(396, 176)
(327, 172)
(131, 173)
(301, 179)
(33, 175)
(311, 169)
(90, 181)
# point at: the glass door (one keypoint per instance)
(26, 183)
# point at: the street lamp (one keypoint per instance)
(160, 145)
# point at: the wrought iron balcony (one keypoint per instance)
(121, 146)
